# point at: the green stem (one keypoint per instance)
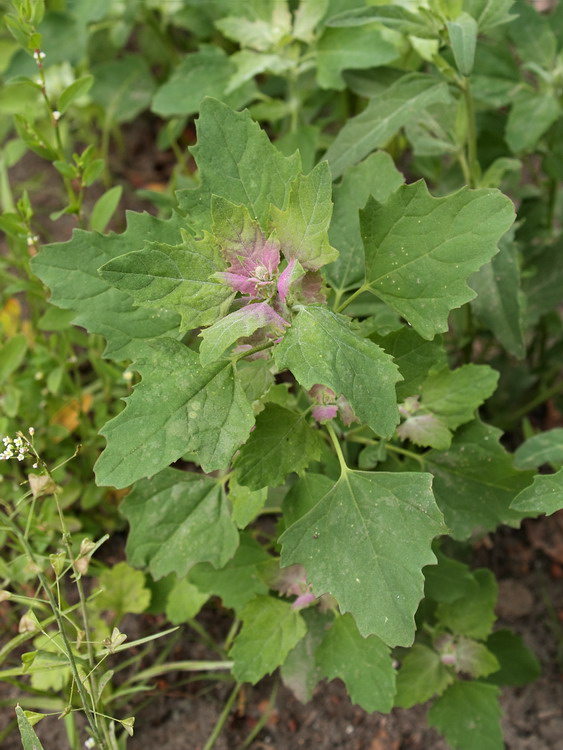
(337, 447)
(218, 728)
(255, 349)
(471, 139)
(180, 666)
(263, 719)
(391, 448)
(352, 297)
(538, 400)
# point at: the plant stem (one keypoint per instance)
(471, 138)
(352, 297)
(263, 719)
(337, 448)
(391, 448)
(218, 728)
(181, 666)
(540, 399)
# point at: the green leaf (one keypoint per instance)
(174, 277)
(104, 208)
(474, 658)
(518, 665)
(544, 495)
(307, 16)
(246, 503)
(239, 580)
(468, 715)
(463, 39)
(420, 250)
(304, 495)
(365, 543)
(179, 407)
(302, 228)
(499, 302)
(271, 629)
(474, 481)
(250, 63)
(261, 26)
(421, 676)
(393, 16)
(12, 354)
(123, 591)
(282, 442)
(184, 601)
(178, 519)
(448, 580)
(76, 89)
(489, 13)
(384, 116)
(376, 176)
(300, 671)
(472, 615)
(544, 448)
(206, 72)
(30, 740)
(70, 270)
(34, 140)
(322, 348)
(531, 115)
(237, 162)
(123, 87)
(543, 282)
(532, 34)
(347, 49)
(426, 430)
(364, 664)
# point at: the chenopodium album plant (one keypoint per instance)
(286, 343)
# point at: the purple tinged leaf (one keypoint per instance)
(291, 272)
(347, 414)
(311, 289)
(238, 282)
(321, 394)
(325, 413)
(304, 600)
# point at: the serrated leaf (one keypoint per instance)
(302, 227)
(544, 448)
(30, 740)
(123, 591)
(472, 615)
(518, 665)
(239, 580)
(426, 430)
(474, 658)
(178, 519)
(384, 116)
(271, 629)
(420, 250)
(178, 407)
(174, 277)
(421, 676)
(365, 543)
(70, 270)
(499, 302)
(246, 503)
(448, 580)
(237, 162)
(468, 715)
(377, 176)
(304, 495)
(282, 442)
(475, 482)
(321, 348)
(239, 324)
(300, 671)
(544, 495)
(364, 664)
(184, 601)
(347, 49)
(463, 39)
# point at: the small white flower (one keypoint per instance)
(56, 115)
(6, 440)
(35, 465)
(21, 456)
(31, 431)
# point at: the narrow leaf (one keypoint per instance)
(104, 208)
(544, 448)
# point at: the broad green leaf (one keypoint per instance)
(475, 482)
(249, 63)
(104, 209)
(70, 270)
(246, 503)
(384, 116)
(346, 49)
(282, 442)
(364, 664)
(300, 671)
(544, 495)
(270, 630)
(489, 13)
(76, 89)
(302, 228)
(306, 18)
(30, 740)
(184, 601)
(474, 658)
(50, 670)
(206, 72)
(237, 162)
(426, 430)
(123, 591)
(421, 676)
(543, 282)
(260, 28)
(244, 322)
(174, 277)
(531, 115)
(376, 176)
(532, 35)
(12, 354)
(393, 16)
(448, 580)
(178, 519)
(239, 580)
(178, 407)
(123, 87)
(304, 495)
(414, 356)
(420, 250)
(322, 348)
(544, 448)
(365, 543)
(518, 665)
(472, 615)
(499, 301)
(463, 39)
(468, 715)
